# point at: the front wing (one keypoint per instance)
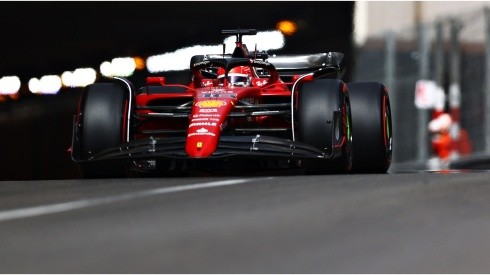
(229, 146)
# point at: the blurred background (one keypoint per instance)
(51, 50)
(434, 57)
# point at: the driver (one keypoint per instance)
(240, 76)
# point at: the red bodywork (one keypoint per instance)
(211, 106)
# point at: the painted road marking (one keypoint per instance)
(68, 206)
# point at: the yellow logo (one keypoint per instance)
(210, 103)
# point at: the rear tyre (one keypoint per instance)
(317, 103)
(104, 112)
(371, 117)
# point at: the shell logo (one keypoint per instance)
(210, 103)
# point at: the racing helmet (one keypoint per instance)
(239, 76)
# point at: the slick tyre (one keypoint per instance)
(104, 111)
(372, 129)
(324, 119)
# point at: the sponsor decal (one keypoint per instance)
(261, 83)
(211, 110)
(202, 132)
(205, 62)
(223, 91)
(218, 95)
(260, 62)
(207, 83)
(196, 124)
(200, 119)
(204, 119)
(210, 103)
(205, 115)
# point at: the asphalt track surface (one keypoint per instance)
(408, 222)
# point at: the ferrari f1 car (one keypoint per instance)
(291, 111)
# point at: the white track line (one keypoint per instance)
(67, 206)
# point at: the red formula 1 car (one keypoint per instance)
(292, 111)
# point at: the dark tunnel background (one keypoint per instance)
(41, 38)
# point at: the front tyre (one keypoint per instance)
(373, 137)
(324, 121)
(103, 123)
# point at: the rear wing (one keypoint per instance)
(288, 65)
(330, 63)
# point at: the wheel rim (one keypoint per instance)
(347, 126)
(348, 123)
(387, 131)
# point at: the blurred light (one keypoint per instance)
(139, 62)
(106, 69)
(67, 79)
(84, 77)
(9, 85)
(120, 66)
(179, 59)
(123, 66)
(48, 84)
(268, 40)
(287, 27)
(34, 86)
(79, 78)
